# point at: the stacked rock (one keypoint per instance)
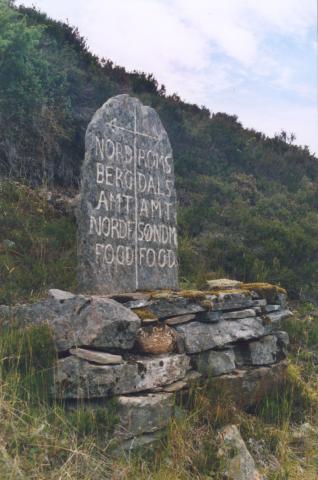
(143, 347)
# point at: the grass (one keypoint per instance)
(37, 245)
(40, 439)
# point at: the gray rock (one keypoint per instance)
(60, 295)
(204, 336)
(239, 314)
(249, 387)
(82, 321)
(77, 378)
(276, 317)
(223, 284)
(282, 338)
(272, 308)
(143, 414)
(264, 351)
(282, 299)
(237, 460)
(142, 303)
(179, 320)
(97, 357)
(229, 300)
(214, 362)
(175, 306)
(190, 378)
(127, 237)
(262, 302)
(209, 316)
(126, 298)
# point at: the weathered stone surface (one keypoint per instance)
(272, 308)
(245, 313)
(262, 302)
(156, 340)
(97, 357)
(248, 387)
(143, 414)
(276, 317)
(60, 295)
(223, 284)
(265, 351)
(214, 362)
(283, 339)
(209, 316)
(172, 307)
(231, 300)
(128, 299)
(237, 460)
(282, 299)
(190, 378)
(175, 387)
(179, 320)
(204, 336)
(83, 321)
(77, 378)
(127, 238)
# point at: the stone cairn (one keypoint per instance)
(144, 346)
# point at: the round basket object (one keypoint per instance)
(156, 340)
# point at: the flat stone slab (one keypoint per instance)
(172, 307)
(199, 336)
(143, 414)
(248, 312)
(127, 226)
(191, 378)
(97, 357)
(231, 300)
(82, 321)
(223, 284)
(77, 378)
(272, 308)
(180, 319)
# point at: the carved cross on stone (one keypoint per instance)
(127, 228)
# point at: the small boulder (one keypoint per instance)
(237, 460)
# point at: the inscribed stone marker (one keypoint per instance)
(127, 227)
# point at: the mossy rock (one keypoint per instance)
(192, 294)
(265, 290)
(145, 314)
(162, 294)
(234, 291)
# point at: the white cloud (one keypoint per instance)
(208, 50)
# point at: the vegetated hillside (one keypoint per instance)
(248, 203)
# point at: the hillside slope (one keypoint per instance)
(247, 203)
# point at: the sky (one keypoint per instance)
(253, 58)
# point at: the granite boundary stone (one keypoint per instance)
(127, 236)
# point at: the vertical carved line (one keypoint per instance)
(136, 199)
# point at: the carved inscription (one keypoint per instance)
(131, 236)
